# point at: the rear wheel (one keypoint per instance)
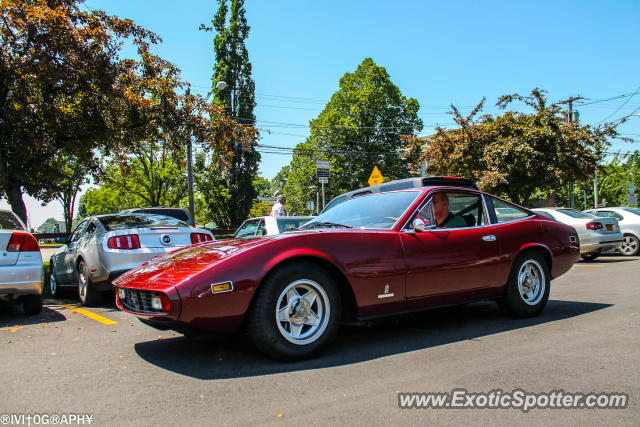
(630, 245)
(296, 312)
(527, 289)
(32, 304)
(86, 293)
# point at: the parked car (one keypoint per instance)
(629, 221)
(596, 234)
(370, 256)
(269, 225)
(21, 270)
(178, 213)
(103, 247)
(399, 184)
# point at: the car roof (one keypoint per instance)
(407, 183)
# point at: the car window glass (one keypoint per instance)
(335, 202)
(507, 212)
(79, 230)
(90, 229)
(261, 231)
(377, 211)
(576, 214)
(287, 224)
(8, 221)
(426, 214)
(124, 221)
(463, 210)
(247, 229)
(632, 210)
(602, 214)
(174, 213)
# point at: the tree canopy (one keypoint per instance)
(516, 154)
(358, 129)
(229, 190)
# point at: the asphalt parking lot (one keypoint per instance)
(105, 363)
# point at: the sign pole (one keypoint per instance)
(322, 194)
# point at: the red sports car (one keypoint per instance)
(369, 256)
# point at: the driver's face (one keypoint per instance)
(440, 205)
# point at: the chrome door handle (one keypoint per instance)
(489, 238)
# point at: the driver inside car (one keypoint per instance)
(444, 218)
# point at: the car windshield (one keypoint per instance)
(8, 221)
(175, 213)
(379, 211)
(132, 220)
(576, 214)
(632, 210)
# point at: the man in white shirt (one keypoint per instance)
(278, 208)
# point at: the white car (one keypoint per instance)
(21, 270)
(596, 234)
(269, 225)
(103, 247)
(629, 221)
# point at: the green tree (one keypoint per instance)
(72, 175)
(59, 80)
(358, 129)
(517, 154)
(262, 186)
(614, 181)
(233, 67)
(279, 181)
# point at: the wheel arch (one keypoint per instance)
(540, 250)
(349, 305)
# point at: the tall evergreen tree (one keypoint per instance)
(238, 97)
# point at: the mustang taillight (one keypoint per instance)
(130, 241)
(594, 225)
(200, 237)
(22, 242)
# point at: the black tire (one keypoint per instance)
(87, 295)
(631, 245)
(527, 290)
(310, 307)
(32, 304)
(590, 256)
(54, 285)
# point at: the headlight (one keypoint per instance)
(122, 294)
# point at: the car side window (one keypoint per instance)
(426, 214)
(77, 233)
(90, 229)
(507, 212)
(457, 210)
(248, 229)
(262, 230)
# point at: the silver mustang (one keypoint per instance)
(103, 247)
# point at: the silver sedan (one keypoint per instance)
(21, 272)
(101, 248)
(629, 220)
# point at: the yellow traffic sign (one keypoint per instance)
(376, 177)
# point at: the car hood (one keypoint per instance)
(171, 267)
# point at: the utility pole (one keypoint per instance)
(192, 209)
(569, 102)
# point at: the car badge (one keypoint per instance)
(386, 293)
(165, 239)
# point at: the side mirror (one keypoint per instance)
(419, 225)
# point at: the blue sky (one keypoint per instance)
(440, 53)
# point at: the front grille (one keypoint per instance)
(139, 301)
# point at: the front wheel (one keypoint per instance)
(296, 312)
(527, 289)
(630, 245)
(86, 293)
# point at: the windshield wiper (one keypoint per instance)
(325, 224)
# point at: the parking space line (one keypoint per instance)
(89, 314)
(12, 329)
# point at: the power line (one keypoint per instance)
(625, 102)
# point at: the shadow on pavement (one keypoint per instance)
(608, 260)
(12, 314)
(239, 358)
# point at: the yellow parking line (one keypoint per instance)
(89, 314)
(11, 329)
